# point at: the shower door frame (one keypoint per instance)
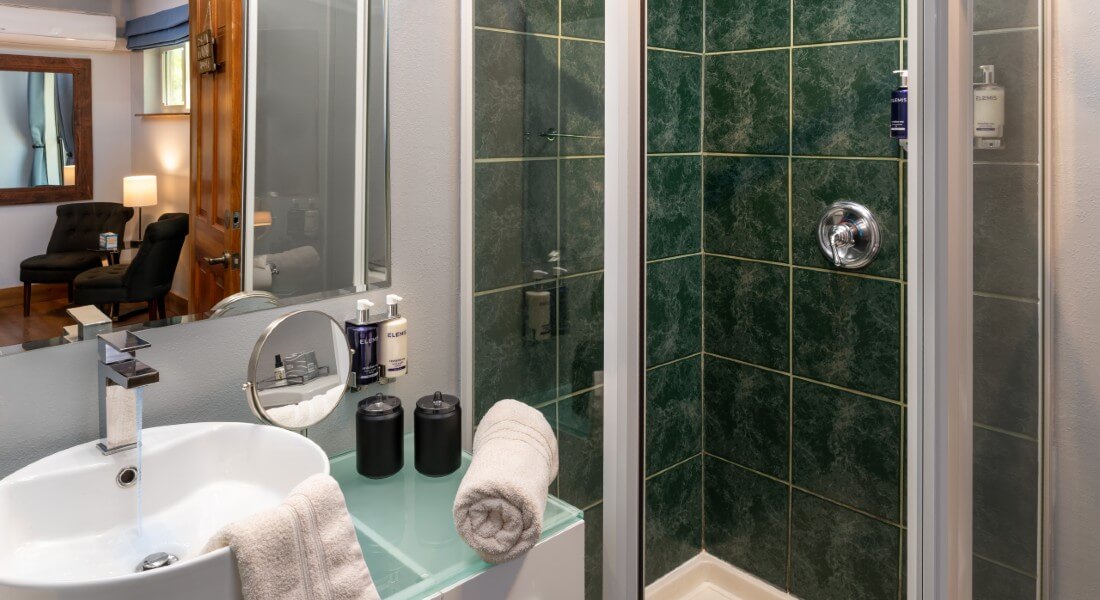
(940, 314)
(624, 267)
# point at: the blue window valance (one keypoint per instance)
(165, 28)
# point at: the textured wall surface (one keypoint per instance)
(775, 397)
(1075, 329)
(48, 397)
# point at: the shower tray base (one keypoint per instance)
(708, 578)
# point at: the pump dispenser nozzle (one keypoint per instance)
(989, 73)
(391, 305)
(904, 77)
(363, 306)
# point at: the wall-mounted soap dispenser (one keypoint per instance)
(393, 344)
(899, 111)
(363, 339)
(538, 311)
(989, 111)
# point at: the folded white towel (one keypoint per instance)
(309, 411)
(499, 506)
(304, 548)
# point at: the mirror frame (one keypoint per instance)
(251, 384)
(81, 70)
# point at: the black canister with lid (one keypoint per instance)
(437, 430)
(379, 433)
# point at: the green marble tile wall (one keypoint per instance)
(775, 403)
(538, 230)
(1008, 208)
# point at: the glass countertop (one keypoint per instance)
(406, 528)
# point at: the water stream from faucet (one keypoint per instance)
(139, 400)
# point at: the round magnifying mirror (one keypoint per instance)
(299, 370)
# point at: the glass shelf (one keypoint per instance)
(406, 528)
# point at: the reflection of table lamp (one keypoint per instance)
(261, 221)
(68, 175)
(139, 191)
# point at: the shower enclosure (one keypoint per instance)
(644, 261)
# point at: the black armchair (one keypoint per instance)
(70, 250)
(148, 278)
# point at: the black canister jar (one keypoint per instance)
(379, 436)
(437, 430)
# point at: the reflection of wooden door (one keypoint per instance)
(217, 122)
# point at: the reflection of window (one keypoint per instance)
(174, 77)
(167, 79)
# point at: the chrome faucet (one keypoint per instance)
(120, 375)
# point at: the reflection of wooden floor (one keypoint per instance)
(48, 317)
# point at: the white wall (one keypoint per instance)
(48, 397)
(25, 229)
(1075, 369)
(160, 146)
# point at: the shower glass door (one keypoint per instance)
(1009, 299)
(533, 265)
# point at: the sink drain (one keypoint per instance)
(127, 477)
(156, 561)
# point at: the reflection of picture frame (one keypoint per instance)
(81, 70)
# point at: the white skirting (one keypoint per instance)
(708, 578)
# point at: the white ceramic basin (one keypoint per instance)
(68, 531)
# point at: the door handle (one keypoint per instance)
(218, 260)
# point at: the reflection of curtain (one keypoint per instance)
(36, 108)
(65, 115)
(165, 28)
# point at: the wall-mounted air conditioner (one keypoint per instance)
(56, 28)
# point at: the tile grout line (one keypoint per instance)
(1008, 432)
(671, 258)
(834, 386)
(519, 286)
(805, 46)
(673, 51)
(1024, 29)
(806, 491)
(806, 267)
(523, 159)
(902, 333)
(674, 465)
(702, 279)
(998, 563)
(790, 305)
(1006, 297)
(557, 245)
(675, 361)
(802, 156)
(538, 34)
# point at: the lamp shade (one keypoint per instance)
(68, 175)
(139, 190)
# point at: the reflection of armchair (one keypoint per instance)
(148, 278)
(71, 249)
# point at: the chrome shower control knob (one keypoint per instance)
(849, 235)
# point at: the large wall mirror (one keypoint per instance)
(241, 152)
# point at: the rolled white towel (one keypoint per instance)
(499, 505)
